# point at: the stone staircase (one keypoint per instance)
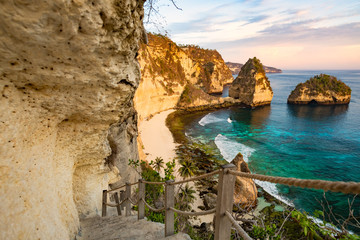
(124, 228)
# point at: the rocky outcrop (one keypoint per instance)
(245, 193)
(251, 86)
(68, 76)
(236, 67)
(212, 73)
(195, 99)
(167, 68)
(321, 89)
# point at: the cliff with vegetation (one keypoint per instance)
(68, 76)
(235, 68)
(252, 87)
(321, 89)
(212, 73)
(167, 68)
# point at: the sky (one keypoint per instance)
(301, 34)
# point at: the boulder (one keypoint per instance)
(251, 86)
(245, 193)
(321, 89)
(210, 201)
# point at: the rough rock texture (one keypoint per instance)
(251, 86)
(245, 190)
(67, 73)
(212, 73)
(321, 89)
(167, 68)
(195, 99)
(236, 67)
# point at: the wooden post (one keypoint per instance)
(127, 202)
(169, 214)
(104, 202)
(116, 196)
(141, 204)
(224, 202)
(122, 197)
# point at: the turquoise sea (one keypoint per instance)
(309, 142)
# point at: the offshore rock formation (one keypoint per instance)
(321, 89)
(68, 76)
(251, 86)
(236, 67)
(167, 68)
(245, 189)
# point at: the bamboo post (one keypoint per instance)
(122, 197)
(127, 202)
(224, 202)
(104, 202)
(141, 204)
(169, 214)
(116, 196)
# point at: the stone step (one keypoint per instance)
(125, 228)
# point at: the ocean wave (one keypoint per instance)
(209, 118)
(229, 149)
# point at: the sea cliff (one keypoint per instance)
(167, 68)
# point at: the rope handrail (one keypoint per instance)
(115, 189)
(153, 209)
(213, 210)
(155, 183)
(343, 187)
(239, 229)
(115, 205)
(197, 178)
(133, 203)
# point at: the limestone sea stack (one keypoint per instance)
(245, 189)
(251, 86)
(321, 89)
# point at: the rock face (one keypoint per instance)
(212, 73)
(68, 76)
(167, 68)
(245, 190)
(321, 89)
(236, 67)
(251, 86)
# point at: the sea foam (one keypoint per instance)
(230, 148)
(209, 118)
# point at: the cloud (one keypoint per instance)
(270, 27)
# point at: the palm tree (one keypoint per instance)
(158, 164)
(187, 168)
(187, 194)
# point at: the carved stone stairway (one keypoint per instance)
(124, 228)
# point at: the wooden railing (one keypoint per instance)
(224, 202)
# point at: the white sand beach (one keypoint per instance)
(156, 138)
(158, 141)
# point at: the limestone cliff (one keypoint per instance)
(321, 89)
(251, 86)
(212, 73)
(68, 75)
(167, 68)
(245, 189)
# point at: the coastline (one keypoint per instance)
(156, 139)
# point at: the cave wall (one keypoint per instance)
(68, 75)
